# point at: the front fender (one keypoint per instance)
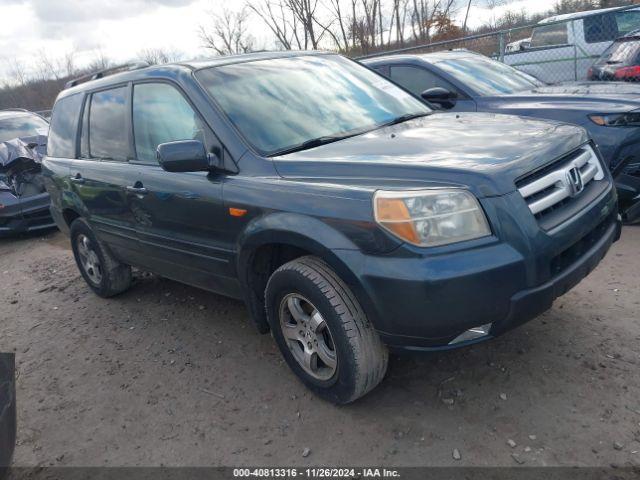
(296, 230)
(307, 233)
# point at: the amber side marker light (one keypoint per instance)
(237, 212)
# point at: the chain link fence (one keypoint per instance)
(573, 47)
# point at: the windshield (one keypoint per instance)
(488, 77)
(627, 21)
(22, 126)
(278, 104)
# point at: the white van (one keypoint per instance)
(563, 47)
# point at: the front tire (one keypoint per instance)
(322, 331)
(105, 275)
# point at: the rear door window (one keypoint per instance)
(64, 127)
(108, 138)
(161, 114)
(417, 80)
(550, 35)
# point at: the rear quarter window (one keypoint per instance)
(64, 127)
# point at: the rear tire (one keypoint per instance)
(105, 275)
(317, 322)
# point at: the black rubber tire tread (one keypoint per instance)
(370, 354)
(116, 277)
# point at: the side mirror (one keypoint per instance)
(441, 97)
(186, 156)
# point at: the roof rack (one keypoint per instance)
(127, 67)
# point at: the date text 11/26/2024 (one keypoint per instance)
(316, 472)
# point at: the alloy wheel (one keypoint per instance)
(308, 337)
(89, 259)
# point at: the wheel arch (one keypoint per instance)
(272, 241)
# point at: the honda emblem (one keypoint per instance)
(574, 180)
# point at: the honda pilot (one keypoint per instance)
(350, 218)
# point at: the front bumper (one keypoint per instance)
(425, 302)
(23, 215)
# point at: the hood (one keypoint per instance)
(601, 97)
(20, 164)
(483, 152)
(28, 150)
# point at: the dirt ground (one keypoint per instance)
(166, 374)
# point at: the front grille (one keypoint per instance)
(558, 191)
(572, 254)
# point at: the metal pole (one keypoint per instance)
(502, 47)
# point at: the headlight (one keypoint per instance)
(429, 218)
(631, 119)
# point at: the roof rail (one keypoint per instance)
(14, 110)
(127, 67)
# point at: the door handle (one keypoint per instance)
(77, 178)
(136, 190)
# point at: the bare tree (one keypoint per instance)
(304, 11)
(466, 18)
(69, 63)
(17, 72)
(342, 39)
(99, 62)
(277, 16)
(159, 56)
(228, 34)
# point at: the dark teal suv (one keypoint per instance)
(349, 217)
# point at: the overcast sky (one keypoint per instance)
(122, 28)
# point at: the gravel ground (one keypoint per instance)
(168, 374)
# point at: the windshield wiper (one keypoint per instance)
(315, 142)
(405, 118)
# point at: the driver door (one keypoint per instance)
(180, 217)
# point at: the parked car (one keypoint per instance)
(620, 62)
(24, 202)
(465, 81)
(563, 47)
(349, 217)
(7, 411)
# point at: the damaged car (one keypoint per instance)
(24, 202)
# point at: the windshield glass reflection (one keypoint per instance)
(488, 77)
(281, 103)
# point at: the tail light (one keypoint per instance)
(590, 73)
(628, 73)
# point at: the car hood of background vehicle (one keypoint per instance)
(600, 97)
(485, 152)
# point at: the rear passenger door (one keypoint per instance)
(181, 222)
(101, 174)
